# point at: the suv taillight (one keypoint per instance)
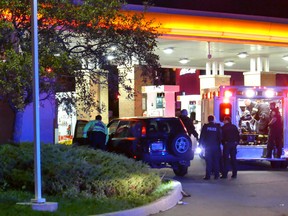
(143, 131)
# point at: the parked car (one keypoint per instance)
(159, 141)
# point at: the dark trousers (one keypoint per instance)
(229, 150)
(97, 140)
(274, 140)
(212, 159)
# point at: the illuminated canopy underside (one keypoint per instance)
(220, 29)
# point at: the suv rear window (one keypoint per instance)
(131, 128)
(137, 127)
(158, 126)
(164, 126)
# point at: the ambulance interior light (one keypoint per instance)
(269, 93)
(250, 93)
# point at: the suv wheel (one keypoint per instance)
(180, 170)
(181, 144)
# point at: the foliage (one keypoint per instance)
(69, 171)
(74, 42)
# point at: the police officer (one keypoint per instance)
(230, 140)
(210, 140)
(97, 133)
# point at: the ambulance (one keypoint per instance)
(233, 101)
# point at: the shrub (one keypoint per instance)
(75, 172)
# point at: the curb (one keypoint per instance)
(162, 204)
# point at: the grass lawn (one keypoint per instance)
(71, 207)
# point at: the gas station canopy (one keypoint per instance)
(201, 37)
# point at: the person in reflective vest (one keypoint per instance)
(97, 133)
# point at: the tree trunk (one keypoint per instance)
(18, 123)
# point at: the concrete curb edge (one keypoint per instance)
(162, 204)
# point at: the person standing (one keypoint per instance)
(275, 135)
(210, 140)
(230, 140)
(188, 123)
(97, 133)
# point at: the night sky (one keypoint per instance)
(267, 8)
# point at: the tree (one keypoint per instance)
(75, 38)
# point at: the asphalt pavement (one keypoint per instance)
(258, 190)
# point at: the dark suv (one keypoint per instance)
(159, 141)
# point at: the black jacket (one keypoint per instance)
(188, 123)
(230, 133)
(210, 137)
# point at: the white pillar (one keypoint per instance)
(266, 64)
(208, 68)
(215, 68)
(221, 68)
(252, 65)
(259, 64)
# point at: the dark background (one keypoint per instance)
(267, 8)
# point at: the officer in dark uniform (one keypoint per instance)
(230, 140)
(210, 140)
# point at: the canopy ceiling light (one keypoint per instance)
(242, 54)
(229, 63)
(184, 60)
(168, 50)
(285, 57)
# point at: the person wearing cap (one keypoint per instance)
(210, 140)
(230, 140)
(188, 123)
(97, 133)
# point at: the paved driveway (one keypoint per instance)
(258, 190)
